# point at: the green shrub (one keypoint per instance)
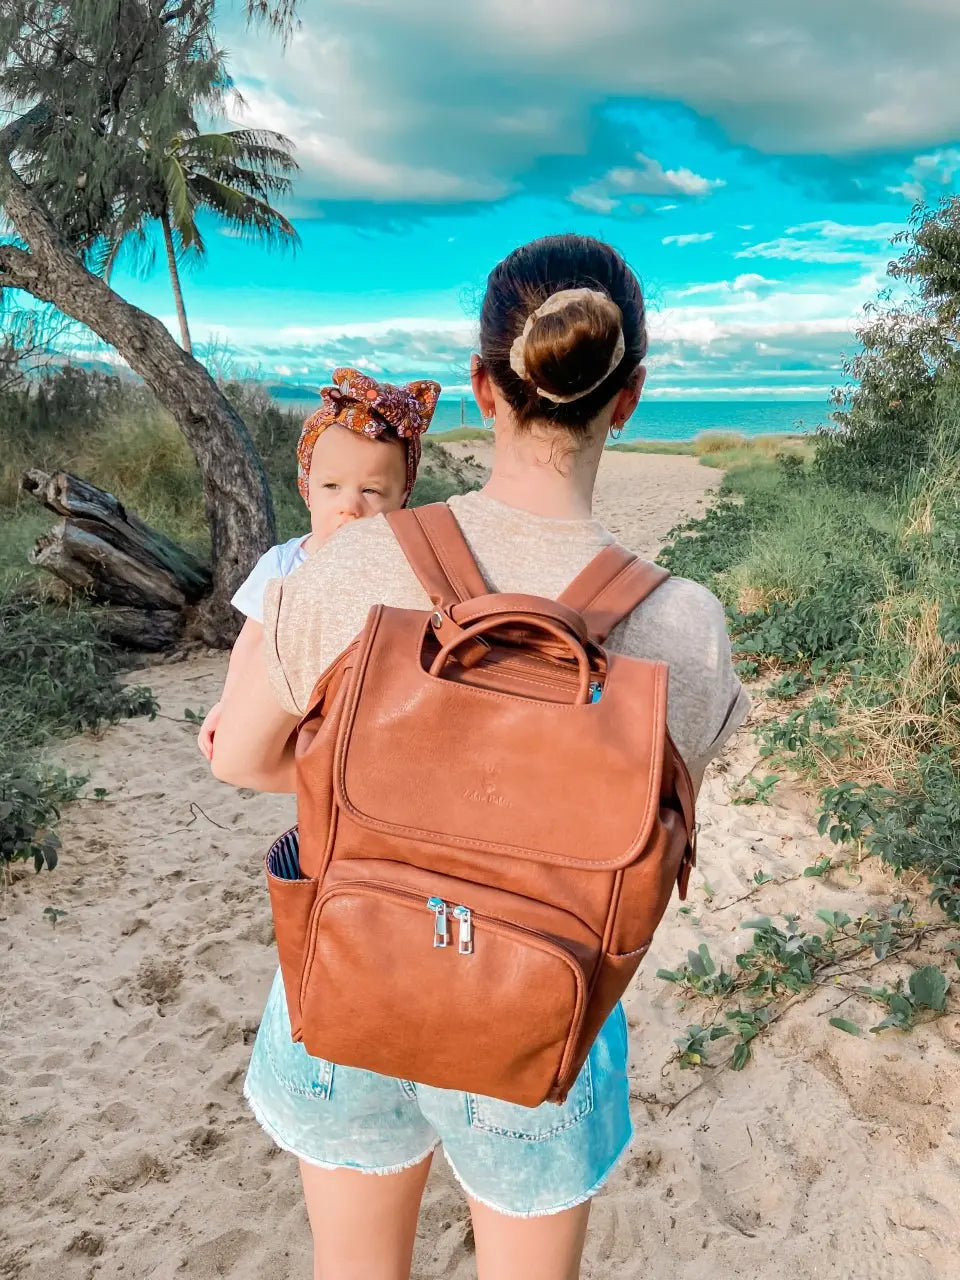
(887, 418)
(57, 676)
(30, 800)
(853, 599)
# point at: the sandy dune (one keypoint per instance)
(125, 1147)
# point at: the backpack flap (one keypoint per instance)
(442, 762)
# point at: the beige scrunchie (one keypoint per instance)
(557, 302)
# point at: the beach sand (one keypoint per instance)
(126, 1149)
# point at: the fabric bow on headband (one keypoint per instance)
(373, 409)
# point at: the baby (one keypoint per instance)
(357, 456)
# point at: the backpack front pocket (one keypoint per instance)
(414, 984)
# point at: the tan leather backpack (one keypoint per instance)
(492, 818)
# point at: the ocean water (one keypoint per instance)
(684, 419)
(653, 420)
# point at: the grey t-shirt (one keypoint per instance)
(313, 615)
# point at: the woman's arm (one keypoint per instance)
(243, 655)
(255, 739)
(245, 643)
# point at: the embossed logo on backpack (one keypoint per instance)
(486, 790)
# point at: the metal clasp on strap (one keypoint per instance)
(469, 652)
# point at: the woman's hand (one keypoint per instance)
(207, 730)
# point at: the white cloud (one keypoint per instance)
(696, 290)
(753, 283)
(842, 231)
(459, 331)
(790, 249)
(737, 392)
(733, 334)
(335, 167)
(697, 237)
(649, 178)
(827, 242)
(594, 200)
(436, 102)
(930, 176)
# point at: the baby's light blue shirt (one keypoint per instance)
(278, 562)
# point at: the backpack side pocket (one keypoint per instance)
(291, 901)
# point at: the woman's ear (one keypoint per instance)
(626, 402)
(482, 388)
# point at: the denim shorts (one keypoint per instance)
(522, 1161)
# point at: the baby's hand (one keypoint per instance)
(207, 730)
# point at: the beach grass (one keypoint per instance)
(458, 435)
(116, 436)
(845, 602)
(726, 449)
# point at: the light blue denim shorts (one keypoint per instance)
(522, 1161)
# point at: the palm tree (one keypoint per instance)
(85, 84)
(232, 174)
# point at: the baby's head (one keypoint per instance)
(358, 454)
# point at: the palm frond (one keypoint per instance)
(192, 251)
(101, 256)
(249, 142)
(179, 199)
(252, 217)
(234, 174)
(256, 147)
(257, 184)
(201, 147)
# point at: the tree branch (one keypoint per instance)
(18, 270)
(281, 15)
(31, 221)
(11, 133)
(181, 11)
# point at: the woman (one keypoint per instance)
(562, 343)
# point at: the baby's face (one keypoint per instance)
(352, 476)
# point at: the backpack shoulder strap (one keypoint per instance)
(437, 552)
(610, 587)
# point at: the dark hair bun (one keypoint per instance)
(569, 351)
(553, 318)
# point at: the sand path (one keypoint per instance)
(125, 1147)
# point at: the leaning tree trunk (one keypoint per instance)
(175, 283)
(238, 504)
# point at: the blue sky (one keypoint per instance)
(752, 161)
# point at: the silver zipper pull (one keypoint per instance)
(463, 915)
(439, 909)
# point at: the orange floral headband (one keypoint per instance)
(375, 409)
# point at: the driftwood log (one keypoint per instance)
(141, 582)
